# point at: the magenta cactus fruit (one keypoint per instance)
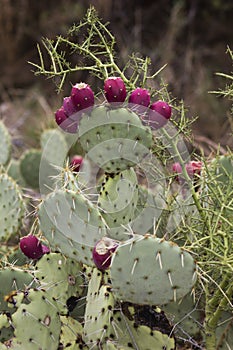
(194, 168)
(176, 168)
(76, 162)
(65, 122)
(159, 114)
(102, 252)
(69, 106)
(140, 97)
(115, 90)
(31, 247)
(82, 96)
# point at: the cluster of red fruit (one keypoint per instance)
(192, 168)
(155, 114)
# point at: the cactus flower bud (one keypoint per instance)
(114, 89)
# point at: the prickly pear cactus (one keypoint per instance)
(60, 277)
(13, 171)
(186, 316)
(54, 153)
(99, 311)
(144, 327)
(114, 139)
(30, 167)
(150, 270)
(148, 210)
(36, 322)
(5, 144)
(12, 208)
(117, 201)
(13, 280)
(71, 334)
(71, 224)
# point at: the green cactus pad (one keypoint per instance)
(14, 172)
(117, 201)
(71, 224)
(30, 167)
(60, 277)
(185, 315)
(143, 327)
(6, 331)
(114, 139)
(54, 153)
(5, 144)
(149, 208)
(36, 322)
(71, 333)
(12, 280)
(99, 310)
(149, 270)
(12, 208)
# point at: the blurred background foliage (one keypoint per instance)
(191, 37)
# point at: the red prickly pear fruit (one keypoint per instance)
(76, 162)
(64, 122)
(176, 168)
(45, 249)
(140, 96)
(60, 116)
(82, 96)
(31, 247)
(114, 89)
(159, 114)
(69, 106)
(194, 168)
(102, 252)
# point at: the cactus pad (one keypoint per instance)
(54, 153)
(149, 270)
(12, 207)
(36, 322)
(114, 139)
(5, 144)
(30, 167)
(99, 311)
(12, 281)
(60, 277)
(117, 201)
(71, 224)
